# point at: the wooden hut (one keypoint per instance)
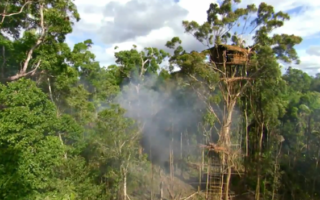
(232, 55)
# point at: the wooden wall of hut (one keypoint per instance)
(234, 55)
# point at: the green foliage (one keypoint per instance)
(31, 149)
(134, 65)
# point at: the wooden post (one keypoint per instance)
(199, 186)
(151, 189)
(221, 184)
(208, 179)
(151, 159)
(171, 160)
(202, 159)
(181, 154)
(161, 190)
(161, 184)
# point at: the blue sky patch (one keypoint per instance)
(309, 41)
(296, 10)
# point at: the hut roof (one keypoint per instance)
(232, 48)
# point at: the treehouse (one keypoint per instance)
(231, 55)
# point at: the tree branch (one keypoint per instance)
(214, 67)
(16, 13)
(236, 79)
(23, 72)
(189, 196)
(32, 72)
(143, 62)
(39, 41)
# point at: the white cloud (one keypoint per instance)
(310, 62)
(283, 5)
(303, 23)
(197, 9)
(158, 32)
(313, 50)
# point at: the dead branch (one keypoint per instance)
(213, 147)
(170, 193)
(236, 79)
(214, 113)
(172, 196)
(189, 196)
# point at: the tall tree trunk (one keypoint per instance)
(247, 134)
(226, 140)
(152, 176)
(181, 156)
(229, 170)
(171, 160)
(314, 179)
(181, 146)
(276, 170)
(58, 115)
(171, 155)
(308, 134)
(199, 186)
(124, 184)
(257, 195)
(161, 190)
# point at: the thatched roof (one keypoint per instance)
(232, 48)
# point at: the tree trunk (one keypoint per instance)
(314, 180)
(161, 184)
(308, 134)
(221, 189)
(124, 184)
(257, 195)
(226, 197)
(152, 175)
(181, 155)
(226, 140)
(171, 160)
(247, 134)
(61, 140)
(161, 190)
(199, 186)
(181, 146)
(275, 175)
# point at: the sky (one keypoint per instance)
(151, 23)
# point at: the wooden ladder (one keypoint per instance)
(215, 182)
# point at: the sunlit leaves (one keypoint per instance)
(28, 138)
(134, 64)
